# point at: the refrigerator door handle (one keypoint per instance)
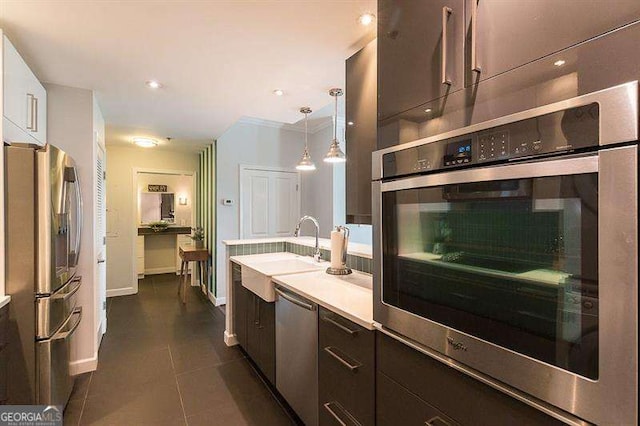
(65, 334)
(79, 223)
(65, 296)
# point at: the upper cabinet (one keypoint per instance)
(360, 131)
(24, 100)
(428, 50)
(420, 52)
(508, 34)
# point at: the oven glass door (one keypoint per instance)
(513, 262)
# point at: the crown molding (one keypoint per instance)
(321, 125)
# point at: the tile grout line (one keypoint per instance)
(175, 376)
(84, 400)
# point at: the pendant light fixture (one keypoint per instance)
(335, 154)
(305, 163)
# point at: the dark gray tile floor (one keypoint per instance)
(164, 363)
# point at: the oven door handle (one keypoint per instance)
(528, 170)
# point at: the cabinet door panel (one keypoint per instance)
(16, 83)
(267, 339)
(361, 102)
(514, 33)
(240, 307)
(397, 406)
(410, 52)
(39, 131)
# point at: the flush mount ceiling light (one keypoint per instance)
(153, 84)
(428, 110)
(335, 154)
(350, 123)
(278, 92)
(145, 142)
(306, 164)
(559, 62)
(366, 19)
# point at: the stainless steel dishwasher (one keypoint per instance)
(297, 353)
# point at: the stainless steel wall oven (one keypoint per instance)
(509, 248)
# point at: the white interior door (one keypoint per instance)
(270, 202)
(101, 237)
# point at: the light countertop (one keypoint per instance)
(348, 295)
(356, 249)
(4, 300)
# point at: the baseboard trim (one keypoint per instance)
(83, 365)
(217, 301)
(126, 291)
(156, 271)
(230, 339)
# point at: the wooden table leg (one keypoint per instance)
(180, 278)
(184, 285)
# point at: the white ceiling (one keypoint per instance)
(218, 60)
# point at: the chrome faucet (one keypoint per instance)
(317, 255)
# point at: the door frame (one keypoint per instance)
(243, 169)
(134, 207)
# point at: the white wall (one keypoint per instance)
(1, 178)
(74, 124)
(317, 185)
(322, 190)
(253, 145)
(122, 210)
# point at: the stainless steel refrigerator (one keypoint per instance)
(43, 229)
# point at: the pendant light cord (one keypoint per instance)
(306, 133)
(335, 119)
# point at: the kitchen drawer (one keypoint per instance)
(397, 406)
(457, 395)
(346, 371)
(351, 338)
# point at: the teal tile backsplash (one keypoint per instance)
(357, 263)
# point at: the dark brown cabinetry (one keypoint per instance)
(511, 34)
(514, 45)
(346, 370)
(413, 388)
(360, 131)
(4, 340)
(254, 322)
(420, 52)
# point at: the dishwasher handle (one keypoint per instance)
(296, 301)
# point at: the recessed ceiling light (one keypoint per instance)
(559, 62)
(278, 92)
(153, 84)
(350, 123)
(428, 110)
(366, 19)
(145, 142)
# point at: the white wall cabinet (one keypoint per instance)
(24, 100)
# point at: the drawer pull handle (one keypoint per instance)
(331, 351)
(333, 413)
(340, 326)
(436, 421)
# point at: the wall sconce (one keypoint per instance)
(182, 200)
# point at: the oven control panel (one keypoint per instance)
(559, 132)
